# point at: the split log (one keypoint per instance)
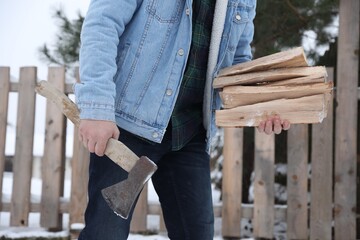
(310, 109)
(234, 96)
(280, 83)
(291, 58)
(315, 78)
(307, 74)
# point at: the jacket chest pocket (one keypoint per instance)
(239, 10)
(240, 13)
(243, 3)
(165, 11)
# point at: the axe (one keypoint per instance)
(121, 196)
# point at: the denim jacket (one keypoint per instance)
(133, 56)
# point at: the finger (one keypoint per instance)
(286, 125)
(276, 117)
(277, 126)
(116, 134)
(100, 148)
(91, 146)
(261, 127)
(85, 142)
(268, 127)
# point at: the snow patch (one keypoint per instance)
(27, 232)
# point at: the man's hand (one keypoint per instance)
(273, 124)
(94, 134)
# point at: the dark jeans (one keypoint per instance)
(182, 183)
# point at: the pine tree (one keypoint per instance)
(65, 51)
(281, 24)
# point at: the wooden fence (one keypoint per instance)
(315, 221)
(52, 204)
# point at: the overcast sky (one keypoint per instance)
(28, 24)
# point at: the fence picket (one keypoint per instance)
(264, 195)
(162, 227)
(322, 176)
(232, 182)
(79, 176)
(53, 162)
(346, 121)
(23, 159)
(138, 223)
(4, 99)
(297, 181)
(79, 179)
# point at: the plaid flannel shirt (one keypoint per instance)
(186, 120)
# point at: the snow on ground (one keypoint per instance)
(30, 232)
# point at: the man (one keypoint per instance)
(146, 69)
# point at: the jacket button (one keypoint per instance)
(187, 11)
(155, 135)
(238, 17)
(181, 52)
(169, 92)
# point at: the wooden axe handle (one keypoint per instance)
(115, 150)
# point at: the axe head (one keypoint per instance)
(121, 196)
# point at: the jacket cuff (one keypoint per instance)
(96, 111)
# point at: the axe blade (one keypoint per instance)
(121, 196)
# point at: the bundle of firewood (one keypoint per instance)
(279, 84)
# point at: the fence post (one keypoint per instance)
(322, 176)
(264, 195)
(79, 179)
(139, 220)
(53, 161)
(23, 159)
(162, 227)
(297, 182)
(346, 120)
(232, 182)
(4, 100)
